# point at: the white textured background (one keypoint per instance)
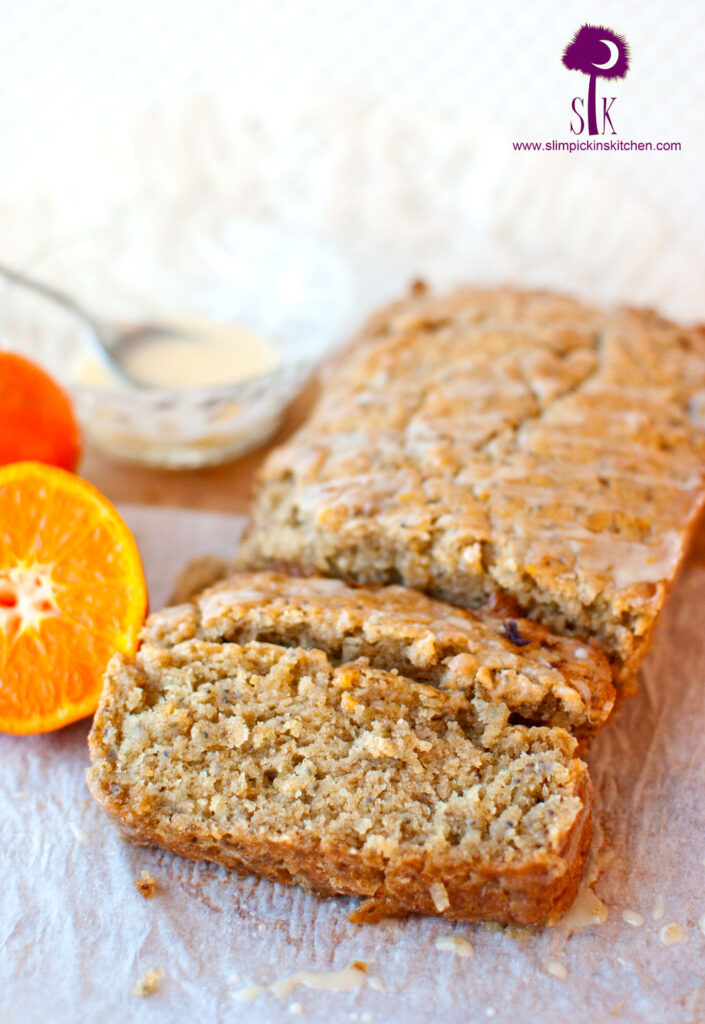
(383, 125)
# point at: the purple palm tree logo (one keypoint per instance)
(600, 53)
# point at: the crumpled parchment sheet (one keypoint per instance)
(76, 935)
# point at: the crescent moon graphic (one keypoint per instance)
(614, 54)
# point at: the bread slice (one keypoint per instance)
(303, 766)
(502, 440)
(542, 678)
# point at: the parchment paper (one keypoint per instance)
(76, 935)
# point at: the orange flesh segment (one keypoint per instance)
(72, 592)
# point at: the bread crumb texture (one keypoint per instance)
(342, 776)
(541, 677)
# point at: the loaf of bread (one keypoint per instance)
(502, 440)
(286, 727)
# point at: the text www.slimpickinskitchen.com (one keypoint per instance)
(610, 145)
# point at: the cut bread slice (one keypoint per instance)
(543, 678)
(303, 766)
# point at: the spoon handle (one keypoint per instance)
(49, 291)
(96, 333)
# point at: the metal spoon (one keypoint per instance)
(104, 339)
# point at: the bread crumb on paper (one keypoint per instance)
(146, 885)
(633, 918)
(671, 934)
(148, 983)
(659, 908)
(78, 832)
(454, 944)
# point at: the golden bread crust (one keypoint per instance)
(502, 440)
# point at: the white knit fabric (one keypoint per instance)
(384, 126)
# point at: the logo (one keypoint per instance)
(597, 52)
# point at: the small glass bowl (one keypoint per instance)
(153, 265)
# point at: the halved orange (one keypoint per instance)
(72, 592)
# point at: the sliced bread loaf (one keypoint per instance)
(502, 440)
(297, 762)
